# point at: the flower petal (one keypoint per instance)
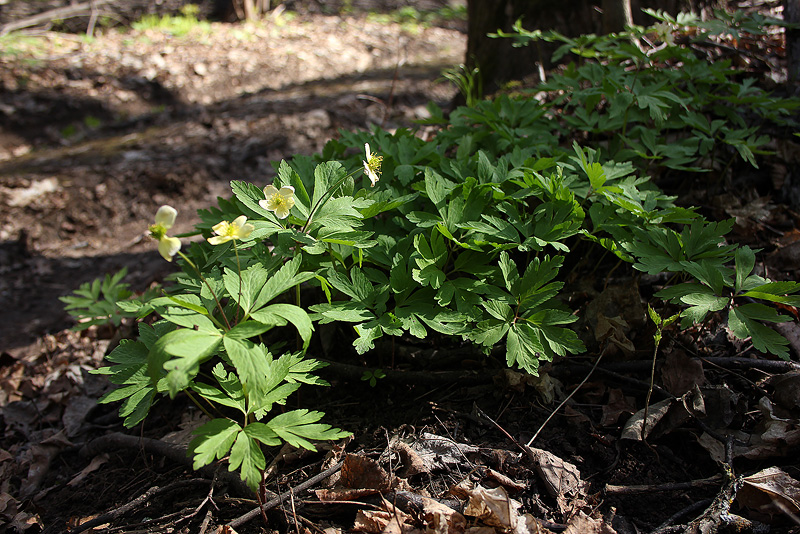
(165, 216)
(168, 247)
(238, 222)
(220, 228)
(270, 190)
(219, 239)
(245, 230)
(287, 191)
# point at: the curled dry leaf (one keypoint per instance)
(681, 373)
(561, 478)
(771, 492)
(774, 436)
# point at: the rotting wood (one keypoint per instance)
(59, 13)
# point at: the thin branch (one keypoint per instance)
(285, 495)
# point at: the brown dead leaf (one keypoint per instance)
(771, 492)
(787, 390)
(581, 523)
(561, 478)
(775, 436)
(493, 507)
(656, 412)
(93, 466)
(412, 464)
(442, 453)
(441, 519)
(361, 472)
(618, 404)
(680, 373)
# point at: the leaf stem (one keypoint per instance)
(213, 294)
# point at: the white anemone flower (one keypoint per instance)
(372, 165)
(226, 231)
(280, 201)
(165, 219)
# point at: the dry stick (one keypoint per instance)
(113, 514)
(660, 488)
(117, 440)
(60, 13)
(285, 495)
(554, 412)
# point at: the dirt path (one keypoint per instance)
(96, 135)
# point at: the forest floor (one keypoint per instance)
(97, 134)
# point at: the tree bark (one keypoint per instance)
(791, 13)
(617, 14)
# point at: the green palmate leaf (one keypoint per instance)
(213, 441)
(745, 261)
(250, 363)
(189, 319)
(287, 277)
(489, 332)
(700, 305)
(298, 427)
(366, 338)
(338, 213)
(246, 456)
(744, 322)
(288, 176)
(776, 292)
(710, 273)
(248, 329)
(263, 433)
(278, 314)
(325, 176)
(351, 312)
(245, 288)
(191, 347)
(213, 394)
(524, 348)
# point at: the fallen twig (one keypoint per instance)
(144, 497)
(575, 390)
(425, 378)
(59, 13)
(285, 495)
(117, 440)
(661, 488)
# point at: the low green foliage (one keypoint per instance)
(175, 25)
(461, 240)
(97, 302)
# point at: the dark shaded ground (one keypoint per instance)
(94, 137)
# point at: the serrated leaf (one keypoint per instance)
(287, 312)
(743, 322)
(745, 261)
(249, 361)
(246, 456)
(213, 441)
(299, 426)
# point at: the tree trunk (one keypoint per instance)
(499, 61)
(617, 14)
(791, 13)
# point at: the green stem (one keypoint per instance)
(216, 300)
(196, 403)
(238, 270)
